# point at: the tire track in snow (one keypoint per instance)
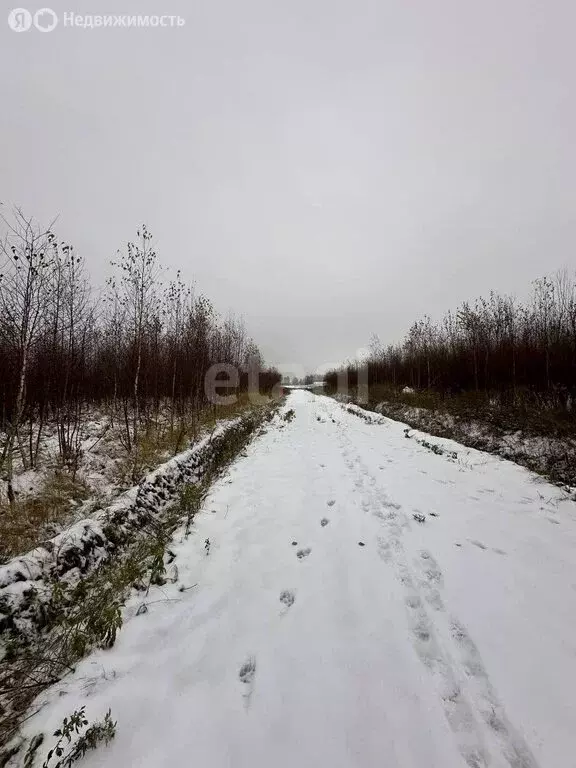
(473, 711)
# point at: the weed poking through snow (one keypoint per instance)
(66, 751)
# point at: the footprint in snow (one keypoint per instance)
(246, 676)
(478, 544)
(287, 597)
(413, 601)
(431, 569)
(331, 502)
(324, 522)
(471, 659)
(247, 671)
(302, 553)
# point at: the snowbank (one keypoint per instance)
(551, 456)
(362, 413)
(25, 581)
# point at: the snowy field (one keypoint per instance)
(359, 601)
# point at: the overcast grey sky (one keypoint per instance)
(325, 168)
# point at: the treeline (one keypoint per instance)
(295, 381)
(141, 347)
(499, 347)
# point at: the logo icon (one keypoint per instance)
(45, 20)
(20, 20)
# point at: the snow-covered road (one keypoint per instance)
(330, 629)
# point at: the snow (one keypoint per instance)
(539, 453)
(314, 621)
(84, 545)
(94, 469)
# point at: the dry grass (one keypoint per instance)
(25, 526)
(526, 413)
(211, 415)
(41, 515)
(157, 443)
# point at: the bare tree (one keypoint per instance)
(142, 350)
(25, 283)
(139, 274)
(496, 347)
